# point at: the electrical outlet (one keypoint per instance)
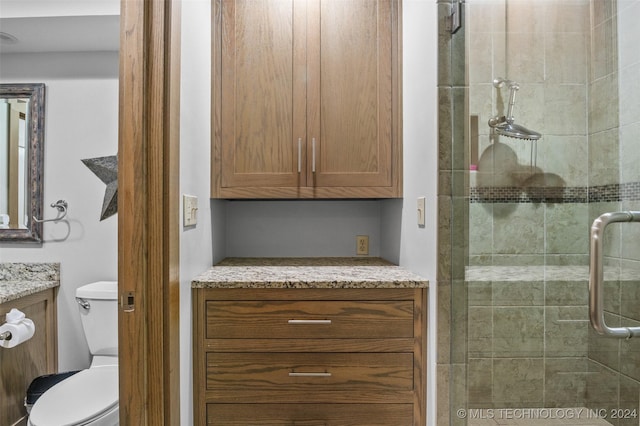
(362, 244)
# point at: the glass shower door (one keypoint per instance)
(551, 140)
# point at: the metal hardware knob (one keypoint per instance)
(84, 303)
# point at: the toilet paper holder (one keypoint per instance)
(9, 337)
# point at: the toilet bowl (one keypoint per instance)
(89, 397)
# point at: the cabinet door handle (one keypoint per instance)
(310, 322)
(299, 155)
(303, 374)
(313, 155)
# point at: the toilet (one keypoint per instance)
(89, 397)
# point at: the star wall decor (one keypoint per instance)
(106, 168)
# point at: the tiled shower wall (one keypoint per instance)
(527, 338)
(543, 46)
(528, 343)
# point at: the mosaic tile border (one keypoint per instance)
(554, 194)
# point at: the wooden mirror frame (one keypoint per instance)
(35, 174)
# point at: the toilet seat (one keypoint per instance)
(78, 400)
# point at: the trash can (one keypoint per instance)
(41, 384)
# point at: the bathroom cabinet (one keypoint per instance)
(37, 356)
(309, 356)
(306, 99)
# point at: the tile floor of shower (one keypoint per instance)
(565, 416)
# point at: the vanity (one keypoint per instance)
(31, 288)
(309, 341)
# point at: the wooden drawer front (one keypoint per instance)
(309, 319)
(310, 414)
(309, 372)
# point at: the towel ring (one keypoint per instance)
(61, 205)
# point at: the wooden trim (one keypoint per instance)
(307, 192)
(308, 294)
(396, 69)
(216, 100)
(148, 199)
(420, 356)
(318, 345)
(172, 244)
(198, 298)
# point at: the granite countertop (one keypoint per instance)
(332, 272)
(22, 279)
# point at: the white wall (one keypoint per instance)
(196, 243)
(418, 246)
(81, 121)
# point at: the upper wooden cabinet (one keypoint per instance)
(306, 99)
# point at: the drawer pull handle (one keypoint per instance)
(302, 374)
(310, 322)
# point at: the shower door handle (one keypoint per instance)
(596, 275)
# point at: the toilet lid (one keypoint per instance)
(78, 399)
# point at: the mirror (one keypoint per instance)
(21, 161)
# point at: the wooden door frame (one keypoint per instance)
(148, 205)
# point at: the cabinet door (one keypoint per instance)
(306, 99)
(259, 117)
(351, 94)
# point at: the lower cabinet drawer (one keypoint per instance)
(308, 372)
(337, 319)
(310, 414)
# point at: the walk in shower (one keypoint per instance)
(521, 181)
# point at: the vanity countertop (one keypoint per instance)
(314, 272)
(12, 290)
(22, 279)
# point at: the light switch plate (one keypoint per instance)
(421, 212)
(189, 210)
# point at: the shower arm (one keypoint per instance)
(513, 88)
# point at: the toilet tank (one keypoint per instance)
(98, 305)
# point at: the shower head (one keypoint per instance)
(513, 130)
(504, 125)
